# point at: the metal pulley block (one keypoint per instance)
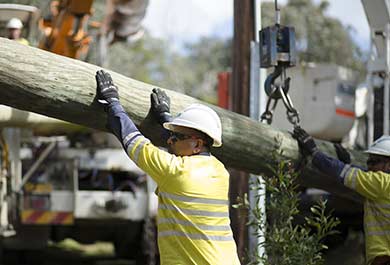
(277, 46)
(277, 49)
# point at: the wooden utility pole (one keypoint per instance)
(63, 88)
(243, 35)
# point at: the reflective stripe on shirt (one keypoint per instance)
(371, 212)
(193, 212)
(138, 142)
(378, 205)
(188, 223)
(377, 209)
(195, 236)
(377, 223)
(344, 171)
(378, 233)
(350, 178)
(193, 199)
(131, 137)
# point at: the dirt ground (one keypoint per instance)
(350, 252)
(70, 252)
(67, 252)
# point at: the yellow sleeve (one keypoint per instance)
(371, 185)
(23, 41)
(157, 163)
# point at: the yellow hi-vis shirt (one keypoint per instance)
(375, 187)
(22, 41)
(193, 212)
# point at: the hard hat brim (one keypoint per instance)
(377, 152)
(171, 127)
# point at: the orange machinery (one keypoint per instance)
(65, 28)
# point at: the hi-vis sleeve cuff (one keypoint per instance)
(121, 125)
(134, 143)
(349, 177)
(155, 162)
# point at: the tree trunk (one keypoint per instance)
(35, 80)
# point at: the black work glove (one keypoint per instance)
(342, 153)
(160, 105)
(107, 92)
(305, 141)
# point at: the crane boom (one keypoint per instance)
(378, 79)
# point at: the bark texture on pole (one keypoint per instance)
(63, 88)
(39, 124)
(243, 35)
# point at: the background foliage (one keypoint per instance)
(287, 241)
(193, 69)
(320, 38)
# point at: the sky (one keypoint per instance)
(185, 21)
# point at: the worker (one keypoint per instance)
(14, 27)
(192, 185)
(372, 183)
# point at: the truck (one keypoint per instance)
(81, 186)
(60, 180)
(324, 95)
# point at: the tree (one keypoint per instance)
(320, 38)
(192, 71)
(287, 242)
(206, 58)
(147, 60)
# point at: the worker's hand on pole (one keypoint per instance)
(342, 153)
(107, 92)
(160, 105)
(305, 141)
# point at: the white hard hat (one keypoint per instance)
(380, 146)
(201, 118)
(14, 23)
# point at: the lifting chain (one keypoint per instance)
(276, 91)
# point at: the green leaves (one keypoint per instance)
(288, 241)
(192, 71)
